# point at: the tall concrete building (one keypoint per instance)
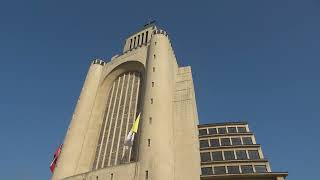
(145, 78)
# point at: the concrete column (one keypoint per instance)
(158, 157)
(74, 139)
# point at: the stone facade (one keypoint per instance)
(144, 79)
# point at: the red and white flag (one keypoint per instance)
(55, 158)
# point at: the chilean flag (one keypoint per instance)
(55, 158)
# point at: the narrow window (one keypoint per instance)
(138, 40)
(153, 69)
(253, 154)
(219, 170)
(150, 120)
(111, 176)
(204, 143)
(97, 177)
(212, 131)
(260, 168)
(246, 169)
(242, 129)
(146, 36)
(149, 142)
(147, 175)
(205, 157)
(217, 156)
(202, 132)
(154, 56)
(222, 130)
(152, 84)
(151, 100)
(142, 36)
(130, 43)
(155, 43)
(206, 171)
(232, 130)
(134, 42)
(241, 154)
(233, 169)
(247, 140)
(214, 142)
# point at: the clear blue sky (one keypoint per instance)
(252, 60)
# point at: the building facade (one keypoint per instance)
(145, 78)
(230, 151)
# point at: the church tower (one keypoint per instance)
(144, 79)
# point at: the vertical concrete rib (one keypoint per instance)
(120, 143)
(75, 137)
(125, 151)
(112, 120)
(115, 128)
(103, 128)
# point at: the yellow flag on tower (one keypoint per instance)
(134, 129)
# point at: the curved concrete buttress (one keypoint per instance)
(74, 139)
(156, 148)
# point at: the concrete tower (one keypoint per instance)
(144, 78)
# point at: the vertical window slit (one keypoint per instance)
(142, 36)
(138, 40)
(146, 37)
(134, 42)
(130, 43)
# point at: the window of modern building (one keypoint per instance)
(214, 142)
(206, 171)
(219, 170)
(260, 168)
(205, 157)
(236, 141)
(233, 169)
(246, 169)
(222, 130)
(217, 156)
(229, 155)
(247, 140)
(232, 130)
(242, 129)
(202, 132)
(241, 154)
(212, 131)
(204, 143)
(253, 154)
(225, 142)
